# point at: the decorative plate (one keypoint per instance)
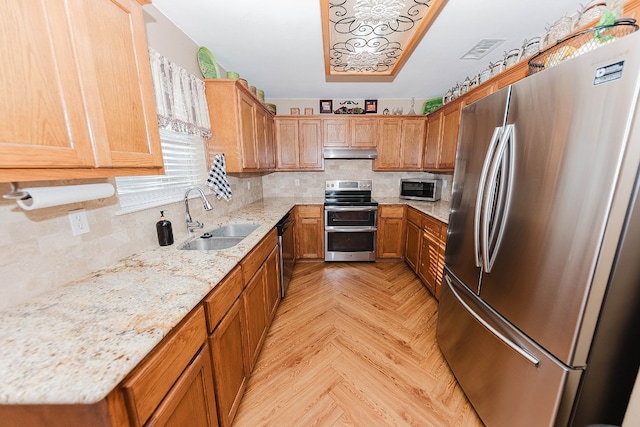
(207, 64)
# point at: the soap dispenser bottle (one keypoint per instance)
(165, 231)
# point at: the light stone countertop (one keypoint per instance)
(439, 210)
(76, 343)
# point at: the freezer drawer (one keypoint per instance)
(508, 380)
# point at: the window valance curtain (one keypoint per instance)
(180, 98)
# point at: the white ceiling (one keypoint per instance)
(277, 44)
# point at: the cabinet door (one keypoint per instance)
(287, 144)
(413, 131)
(364, 133)
(40, 126)
(272, 283)
(336, 132)
(309, 232)
(412, 245)
(152, 380)
(428, 261)
(390, 242)
(191, 400)
(390, 238)
(114, 68)
(268, 160)
(247, 129)
(256, 316)
(228, 350)
(450, 127)
(432, 141)
(388, 144)
(310, 142)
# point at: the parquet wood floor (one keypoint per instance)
(354, 344)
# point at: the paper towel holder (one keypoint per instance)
(16, 193)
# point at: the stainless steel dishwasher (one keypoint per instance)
(287, 252)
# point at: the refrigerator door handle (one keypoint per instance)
(499, 199)
(515, 347)
(495, 139)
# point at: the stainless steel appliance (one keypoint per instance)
(539, 311)
(429, 190)
(350, 221)
(285, 246)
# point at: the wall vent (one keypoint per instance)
(482, 48)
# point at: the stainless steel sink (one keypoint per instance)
(234, 230)
(219, 238)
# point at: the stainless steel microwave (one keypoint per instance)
(428, 190)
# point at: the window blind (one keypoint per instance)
(184, 164)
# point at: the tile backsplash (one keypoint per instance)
(311, 184)
(38, 251)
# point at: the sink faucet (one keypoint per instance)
(191, 225)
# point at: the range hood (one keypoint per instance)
(350, 153)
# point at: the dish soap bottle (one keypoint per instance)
(165, 231)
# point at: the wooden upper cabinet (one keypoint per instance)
(450, 128)
(248, 131)
(287, 150)
(298, 144)
(76, 110)
(310, 137)
(240, 127)
(432, 141)
(336, 133)
(349, 132)
(400, 144)
(413, 134)
(388, 144)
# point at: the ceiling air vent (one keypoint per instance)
(482, 48)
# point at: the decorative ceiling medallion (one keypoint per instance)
(369, 40)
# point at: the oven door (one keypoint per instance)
(350, 233)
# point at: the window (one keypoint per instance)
(184, 164)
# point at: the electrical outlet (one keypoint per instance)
(248, 185)
(79, 222)
(297, 182)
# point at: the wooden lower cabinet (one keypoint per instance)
(191, 401)
(174, 379)
(309, 232)
(256, 315)
(230, 369)
(412, 245)
(272, 284)
(424, 248)
(390, 237)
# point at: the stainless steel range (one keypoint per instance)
(350, 221)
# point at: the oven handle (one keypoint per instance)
(350, 208)
(351, 229)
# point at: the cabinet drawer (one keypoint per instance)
(309, 211)
(154, 377)
(443, 233)
(394, 211)
(221, 298)
(431, 226)
(252, 262)
(414, 216)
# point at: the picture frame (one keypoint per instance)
(326, 106)
(370, 106)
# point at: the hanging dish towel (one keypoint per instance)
(217, 180)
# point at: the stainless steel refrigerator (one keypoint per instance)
(539, 310)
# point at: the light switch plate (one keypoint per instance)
(79, 222)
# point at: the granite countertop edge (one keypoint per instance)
(76, 343)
